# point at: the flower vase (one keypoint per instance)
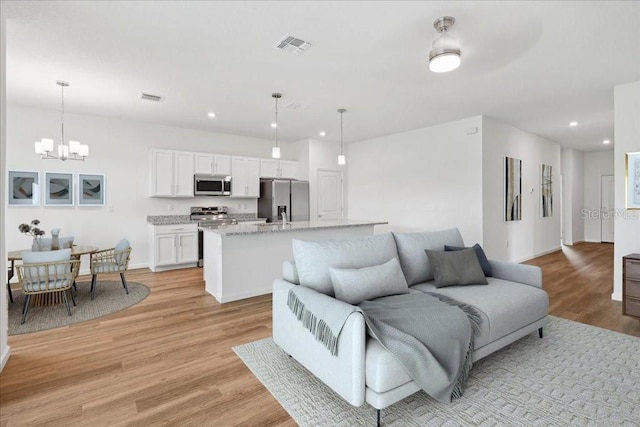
(55, 245)
(35, 246)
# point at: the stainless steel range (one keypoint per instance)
(209, 217)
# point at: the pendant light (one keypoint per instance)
(275, 151)
(73, 151)
(341, 159)
(445, 55)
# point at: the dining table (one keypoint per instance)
(42, 300)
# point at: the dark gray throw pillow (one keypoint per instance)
(456, 268)
(482, 258)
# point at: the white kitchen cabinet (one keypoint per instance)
(212, 164)
(288, 169)
(272, 168)
(174, 246)
(171, 173)
(245, 177)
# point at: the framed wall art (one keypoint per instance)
(632, 180)
(546, 192)
(512, 189)
(91, 190)
(58, 189)
(24, 188)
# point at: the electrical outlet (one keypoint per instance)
(169, 207)
(507, 243)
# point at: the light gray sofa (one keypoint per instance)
(512, 306)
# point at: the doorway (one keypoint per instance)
(607, 209)
(330, 203)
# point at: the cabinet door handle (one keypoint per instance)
(177, 229)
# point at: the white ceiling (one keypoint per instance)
(536, 65)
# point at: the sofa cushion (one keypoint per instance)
(482, 257)
(411, 251)
(313, 258)
(354, 285)
(456, 268)
(504, 306)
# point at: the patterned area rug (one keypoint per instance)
(110, 297)
(577, 375)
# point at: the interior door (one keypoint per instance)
(329, 195)
(607, 208)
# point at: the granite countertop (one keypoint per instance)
(185, 219)
(243, 229)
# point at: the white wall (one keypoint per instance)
(572, 196)
(533, 235)
(627, 140)
(426, 179)
(596, 165)
(120, 150)
(4, 346)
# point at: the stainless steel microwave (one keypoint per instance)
(211, 185)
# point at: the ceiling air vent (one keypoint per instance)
(292, 44)
(150, 97)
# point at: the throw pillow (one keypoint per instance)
(121, 258)
(482, 257)
(411, 246)
(313, 258)
(456, 268)
(354, 285)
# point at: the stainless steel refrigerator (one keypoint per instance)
(278, 196)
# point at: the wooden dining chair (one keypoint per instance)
(45, 273)
(113, 260)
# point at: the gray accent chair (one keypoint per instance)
(46, 273)
(113, 260)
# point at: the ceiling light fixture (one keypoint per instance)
(573, 124)
(212, 115)
(341, 159)
(73, 151)
(323, 133)
(445, 54)
(606, 141)
(275, 151)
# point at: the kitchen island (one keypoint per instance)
(242, 261)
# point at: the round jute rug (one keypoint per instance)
(110, 297)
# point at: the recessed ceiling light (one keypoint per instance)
(323, 133)
(606, 141)
(573, 124)
(212, 115)
(274, 125)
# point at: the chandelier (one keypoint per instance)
(72, 151)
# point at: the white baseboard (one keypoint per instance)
(539, 254)
(5, 357)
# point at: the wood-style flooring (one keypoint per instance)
(168, 360)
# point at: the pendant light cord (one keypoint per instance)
(276, 121)
(341, 141)
(62, 114)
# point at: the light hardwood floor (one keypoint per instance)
(168, 360)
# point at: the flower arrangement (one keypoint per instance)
(32, 229)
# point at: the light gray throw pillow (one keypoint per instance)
(313, 258)
(456, 268)
(354, 285)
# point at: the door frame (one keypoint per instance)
(612, 208)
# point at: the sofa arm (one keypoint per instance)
(345, 372)
(520, 273)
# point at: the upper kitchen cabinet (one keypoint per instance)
(271, 168)
(213, 164)
(171, 173)
(245, 177)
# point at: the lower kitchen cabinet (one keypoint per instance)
(174, 246)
